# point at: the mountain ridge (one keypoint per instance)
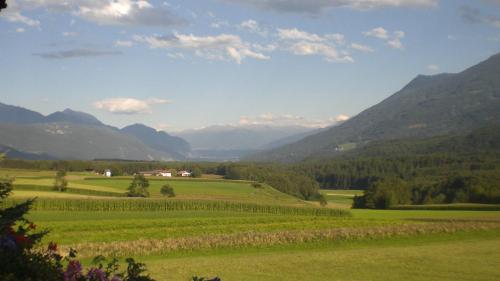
(427, 106)
(71, 134)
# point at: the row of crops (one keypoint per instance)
(161, 205)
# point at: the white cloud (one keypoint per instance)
(362, 48)
(378, 32)
(271, 119)
(433, 67)
(336, 37)
(330, 53)
(320, 6)
(69, 34)
(221, 47)
(295, 34)
(128, 105)
(13, 14)
(392, 40)
(111, 12)
(302, 43)
(395, 44)
(253, 26)
(120, 43)
(20, 30)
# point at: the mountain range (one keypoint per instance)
(228, 142)
(72, 134)
(428, 106)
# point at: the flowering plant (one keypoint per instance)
(22, 261)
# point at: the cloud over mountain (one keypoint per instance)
(128, 105)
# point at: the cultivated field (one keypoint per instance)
(238, 232)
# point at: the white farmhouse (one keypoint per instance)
(165, 174)
(107, 173)
(184, 174)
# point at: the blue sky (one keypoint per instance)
(187, 64)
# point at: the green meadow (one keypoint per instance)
(230, 229)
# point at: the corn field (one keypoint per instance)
(160, 205)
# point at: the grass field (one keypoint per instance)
(339, 197)
(185, 189)
(232, 230)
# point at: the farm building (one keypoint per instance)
(158, 173)
(165, 173)
(107, 173)
(184, 174)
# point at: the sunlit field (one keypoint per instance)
(230, 229)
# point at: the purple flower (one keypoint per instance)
(96, 274)
(73, 271)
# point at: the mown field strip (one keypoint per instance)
(256, 239)
(69, 190)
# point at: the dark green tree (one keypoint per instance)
(60, 182)
(138, 187)
(196, 172)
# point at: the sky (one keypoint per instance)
(176, 65)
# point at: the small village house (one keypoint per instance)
(107, 173)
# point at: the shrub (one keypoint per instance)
(257, 185)
(167, 190)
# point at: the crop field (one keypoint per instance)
(232, 230)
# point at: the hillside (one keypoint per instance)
(483, 141)
(428, 106)
(76, 141)
(72, 134)
(159, 140)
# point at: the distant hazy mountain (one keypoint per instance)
(71, 116)
(250, 137)
(19, 115)
(76, 141)
(427, 106)
(292, 139)
(71, 134)
(159, 140)
(231, 143)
